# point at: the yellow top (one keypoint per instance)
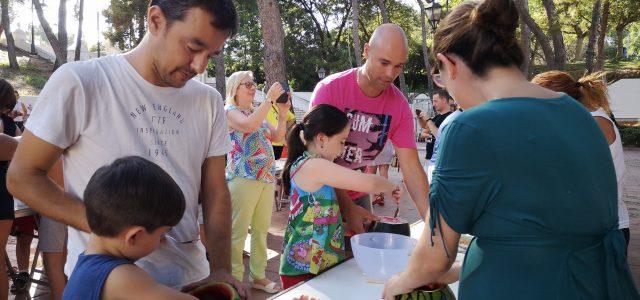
(272, 118)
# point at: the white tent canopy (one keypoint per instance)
(624, 96)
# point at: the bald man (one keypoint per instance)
(379, 112)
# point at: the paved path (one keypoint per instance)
(631, 195)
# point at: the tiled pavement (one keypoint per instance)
(631, 195)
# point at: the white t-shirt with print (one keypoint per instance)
(101, 110)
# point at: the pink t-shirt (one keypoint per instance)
(373, 120)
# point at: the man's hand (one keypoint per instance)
(220, 275)
(355, 217)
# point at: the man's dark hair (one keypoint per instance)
(224, 12)
(132, 191)
(443, 93)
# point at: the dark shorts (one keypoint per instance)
(6, 203)
(277, 151)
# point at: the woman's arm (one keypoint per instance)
(278, 134)
(607, 129)
(8, 146)
(238, 121)
(428, 263)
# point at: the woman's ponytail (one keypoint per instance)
(295, 149)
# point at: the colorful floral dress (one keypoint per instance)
(251, 155)
(313, 240)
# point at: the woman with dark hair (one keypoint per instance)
(591, 92)
(7, 127)
(519, 170)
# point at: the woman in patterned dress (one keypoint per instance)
(250, 173)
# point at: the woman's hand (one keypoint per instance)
(274, 92)
(283, 109)
(395, 287)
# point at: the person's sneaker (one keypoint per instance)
(20, 283)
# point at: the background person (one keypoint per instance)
(379, 112)
(591, 92)
(251, 172)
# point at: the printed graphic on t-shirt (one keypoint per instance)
(369, 133)
(165, 121)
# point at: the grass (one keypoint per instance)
(30, 78)
(36, 81)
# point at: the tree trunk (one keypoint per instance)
(579, 47)
(11, 47)
(220, 74)
(425, 49)
(604, 22)
(59, 47)
(62, 32)
(79, 38)
(619, 42)
(543, 40)
(555, 30)
(595, 16)
(383, 12)
(525, 40)
(354, 28)
(273, 37)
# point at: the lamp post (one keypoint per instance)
(434, 14)
(321, 73)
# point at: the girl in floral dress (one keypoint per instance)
(313, 239)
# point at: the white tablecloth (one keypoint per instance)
(346, 281)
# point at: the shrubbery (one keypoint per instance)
(630, 136)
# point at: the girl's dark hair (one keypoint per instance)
(590, 90)
(7, 95)
(322, 118)
(482, 33)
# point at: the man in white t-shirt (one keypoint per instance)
(143, 103)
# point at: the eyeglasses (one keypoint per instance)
(249, 84)
(436, 75)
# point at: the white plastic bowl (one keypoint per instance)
(381, 255)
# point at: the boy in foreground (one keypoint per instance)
(130, 205)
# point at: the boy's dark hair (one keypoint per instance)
(322, 118)
(443, 93)
(132, 191)
(7, 95)
(224, 12)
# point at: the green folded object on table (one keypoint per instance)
(216, 291)
(423, 293)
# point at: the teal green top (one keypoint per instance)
(533, 181)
